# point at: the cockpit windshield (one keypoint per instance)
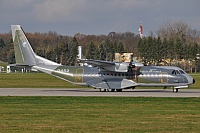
(181, 71)
(177, 72)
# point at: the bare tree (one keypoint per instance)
(177, 30)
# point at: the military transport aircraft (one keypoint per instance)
(103, 75)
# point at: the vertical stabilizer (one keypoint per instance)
(24, 54)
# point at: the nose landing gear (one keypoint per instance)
(175, 90)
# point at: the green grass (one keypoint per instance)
(99, 114)
(3, 64)
(42, 80)
(32, 80)
(196, 76)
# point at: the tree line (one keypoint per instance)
(63, 49)
(173, 41)
(155, 50)
(175, 44)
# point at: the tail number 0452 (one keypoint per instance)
(63, 70)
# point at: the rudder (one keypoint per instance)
(24, 54)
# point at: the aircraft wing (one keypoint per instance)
(108, 65)
(99, 63)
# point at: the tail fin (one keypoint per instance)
(24, 54)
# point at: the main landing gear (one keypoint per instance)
(112, 90)
(103, 90)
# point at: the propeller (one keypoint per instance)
(131, 65)
(131, 62)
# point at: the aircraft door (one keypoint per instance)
(79, 75)
(164, 77)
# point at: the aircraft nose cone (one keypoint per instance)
(193, 81)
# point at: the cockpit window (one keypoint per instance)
(181, 71)
(175, 72)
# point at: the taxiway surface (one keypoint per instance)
(92, 92)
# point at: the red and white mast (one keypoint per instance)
(140, 29)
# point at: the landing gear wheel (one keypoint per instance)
(112, 90)
(102, 90)
(119, 90)
(175, 90)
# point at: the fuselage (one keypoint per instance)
(138, 76)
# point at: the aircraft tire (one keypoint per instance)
(175, 90)
(112, 90)
(119, 90)
(102, 90)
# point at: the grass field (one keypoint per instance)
(42, 80)
(196, 76)
(99, 114)
(92, 114)
(32, 80)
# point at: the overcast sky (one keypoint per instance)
(68, 17)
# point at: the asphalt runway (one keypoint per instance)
(93, 92)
